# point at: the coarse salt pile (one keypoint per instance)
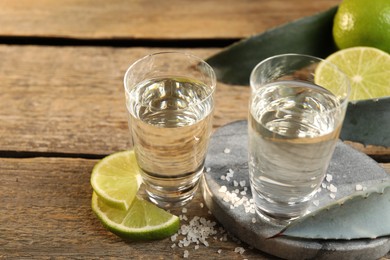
(197, 231)
(237, 195)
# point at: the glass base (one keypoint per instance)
(274, 220)
(172, 200)
(171, 192)
(277, 213)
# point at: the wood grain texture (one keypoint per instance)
(71, 99)
(134, 19)
(45, 212)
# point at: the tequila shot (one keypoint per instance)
(170, 103)
(294, 125)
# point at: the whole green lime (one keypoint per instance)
(363, 23)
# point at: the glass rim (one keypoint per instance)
(342, 99)
(212, 76)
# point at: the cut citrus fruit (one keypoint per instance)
(142, 221)
(367, 68)
(116, 179)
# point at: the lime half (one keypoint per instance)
(142, 221)
(367, 69)
(116, 179)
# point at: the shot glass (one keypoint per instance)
(170, 103)
(293, 127)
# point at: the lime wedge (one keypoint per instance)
(142, 221)
(116, 179)
(367, 68)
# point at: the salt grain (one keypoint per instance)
(329, 177)
(239, 250)
(224, 238)
(219, 251)
(359, 187)
(242, 183)
(223, 189)
(186, 253)
(332, 188)
(323, 185)
(253, 220)
(227, 150)
(332, 195)
(201, 205)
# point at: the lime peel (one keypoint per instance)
(108, 177)
(139, 213)
(116, 180)
(362, 23)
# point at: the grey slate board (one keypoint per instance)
(348, 168)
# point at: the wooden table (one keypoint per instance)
(62, 108)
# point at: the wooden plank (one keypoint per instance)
(45, 212)
(173, 19)
(71, 99)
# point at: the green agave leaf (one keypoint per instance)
(310, 35)
(364, 214)
(368, 122)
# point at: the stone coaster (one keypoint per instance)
(227, 156)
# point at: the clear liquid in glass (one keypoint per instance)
(292, 132)
(171, 126)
